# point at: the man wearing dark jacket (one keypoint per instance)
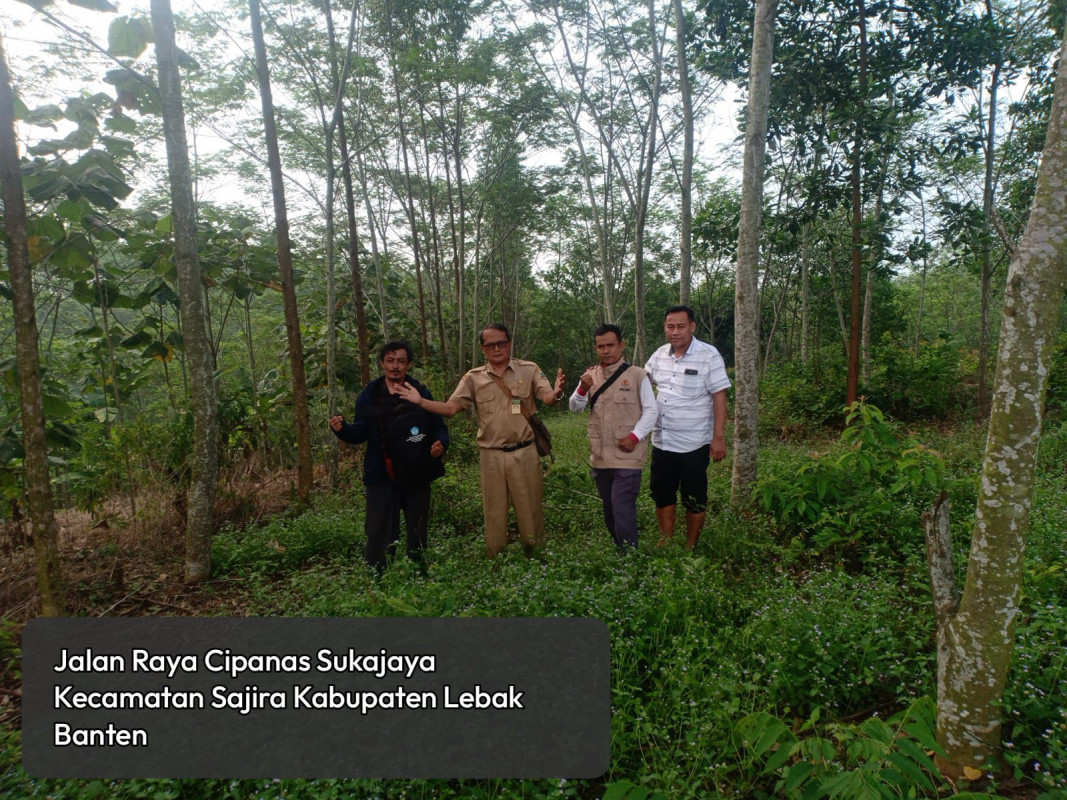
(405, 446)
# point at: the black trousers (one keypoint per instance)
(385, 501)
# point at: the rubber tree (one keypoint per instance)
(35, 451)
(198, 351)
(285, 261)
(746, 313)
(975, 630)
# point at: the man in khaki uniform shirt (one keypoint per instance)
(510, 466)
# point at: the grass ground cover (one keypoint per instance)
(745, 669)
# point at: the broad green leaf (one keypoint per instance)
(42, 116)
(68, 209)
(798, 773)
(74, 253)
(99, 227)
(117, 147)
(60, 437)
(105, 414)
(160, 351)
(186, 61)
(139, 339)
(120, 123)
(165, 225)
(128, 37)
(20, 109)
(55, 406)
(617, 790)
(911, 769)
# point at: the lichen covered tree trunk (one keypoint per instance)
(975, 637)
(205, 459)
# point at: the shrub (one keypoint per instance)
(864, 497)
(912, 386)
(797, 399)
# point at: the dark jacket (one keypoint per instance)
(372, 428)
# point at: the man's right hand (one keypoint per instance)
(336, 423)
(408, 392)
(586, 380)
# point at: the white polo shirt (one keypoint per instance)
(684, 387)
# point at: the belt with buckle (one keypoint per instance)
(511, 448)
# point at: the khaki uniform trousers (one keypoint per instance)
(512, 478)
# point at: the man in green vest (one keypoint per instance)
(622, 413)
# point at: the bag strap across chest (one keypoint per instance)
(604, 386)
(504, 388)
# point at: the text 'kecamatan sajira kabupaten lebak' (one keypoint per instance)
(250, 698)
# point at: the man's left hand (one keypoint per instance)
(718, 449)
(437, 449)
(560, 382)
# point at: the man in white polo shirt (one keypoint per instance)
(691, 383)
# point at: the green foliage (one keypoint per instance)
(284, 545)
(733, 675)
(798, 399)
(1056, 398)
(839, 642)
(873, 759)
(924, 386)
(862, 499)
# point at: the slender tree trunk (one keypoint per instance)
(805, 293)
(987, 245)
(922, 281)
(333, 451)
(358, 297)
(644, 191)
(35, 458)
(975, 635)
(746, 333)
(379, 279)
(131, 486)
(685, 249)
(205, 460)
(285, 263)
(857, 219)
(408, 200)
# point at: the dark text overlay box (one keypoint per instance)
(316, 698)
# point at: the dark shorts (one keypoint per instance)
(688, 471)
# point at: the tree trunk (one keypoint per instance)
(805, 293)
(205, 460)
(746, 334)
(35, 458)
(975, 639)
(685, 248)
(644, 190)
(358, 299)
(285, 263)
(857, 221)
(922, 280)
(987, 245)
(408, 199)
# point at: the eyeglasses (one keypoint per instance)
(498, 345)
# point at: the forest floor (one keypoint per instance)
(116, 567)
(738, 627)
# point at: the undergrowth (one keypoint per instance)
(744, 669)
